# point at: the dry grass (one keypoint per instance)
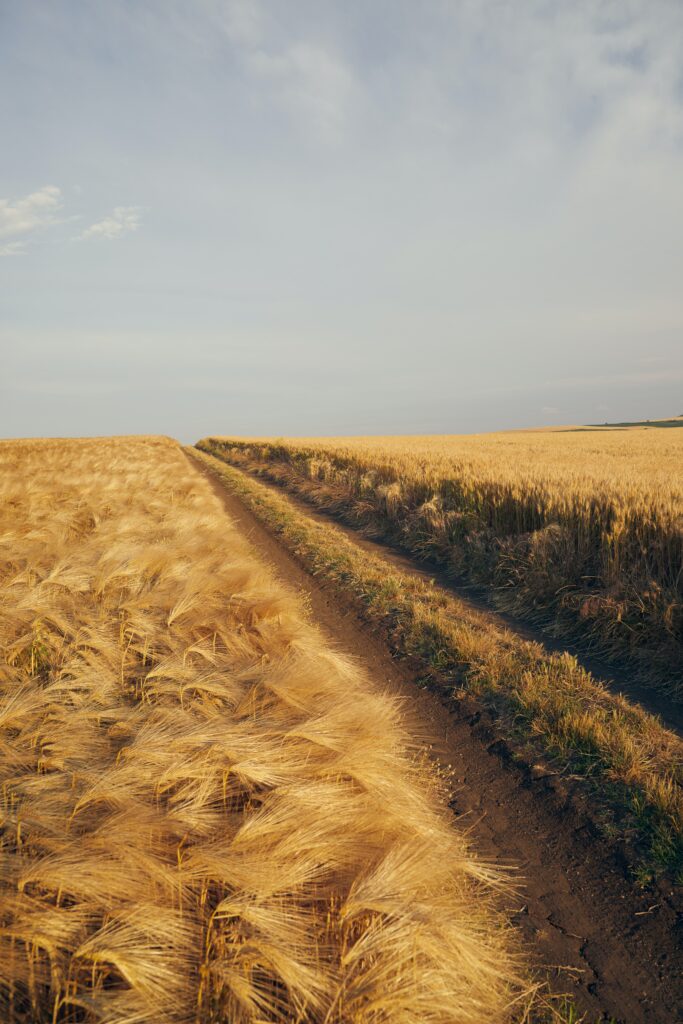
(207, 814)
(581, 528)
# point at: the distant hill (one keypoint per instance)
(676, 421)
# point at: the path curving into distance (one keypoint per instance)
(616, 674)
(613, 948)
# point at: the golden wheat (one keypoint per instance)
(582, 526)
(631, 765)
(207, 813)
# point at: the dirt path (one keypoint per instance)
(616, 675)
(615, 950)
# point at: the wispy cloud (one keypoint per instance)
(242, 21)
(13, 249)
(308, 78)
(121, 221)
(500, 184)
(311, 82)
(23, 216)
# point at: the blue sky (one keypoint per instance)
(253, 217)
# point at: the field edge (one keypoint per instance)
(596, 749)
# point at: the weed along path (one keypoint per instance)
(613, 947)
(615, 674)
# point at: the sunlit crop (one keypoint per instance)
(580, 528)
(207, 813)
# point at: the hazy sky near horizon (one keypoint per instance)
(316, 217)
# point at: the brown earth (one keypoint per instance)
(615, 949)
(616, 673)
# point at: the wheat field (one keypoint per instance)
(581, 528)
(208, 814)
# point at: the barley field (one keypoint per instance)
(208, 814)
(578, 528)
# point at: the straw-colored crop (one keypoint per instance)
(579, 528)
(549, 708)
(207, 813)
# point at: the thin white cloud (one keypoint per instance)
(500, 181)
(121, 221)
(242, 21)
(13, 249)
(312, 82)
(22, 216)
(307, 77)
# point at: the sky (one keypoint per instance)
(369, 216)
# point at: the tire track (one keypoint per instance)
(614, 949)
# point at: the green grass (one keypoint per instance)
(563, 1011)
(597, 562)
(545, 705)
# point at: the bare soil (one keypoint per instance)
(615, 949)
(616, 673)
